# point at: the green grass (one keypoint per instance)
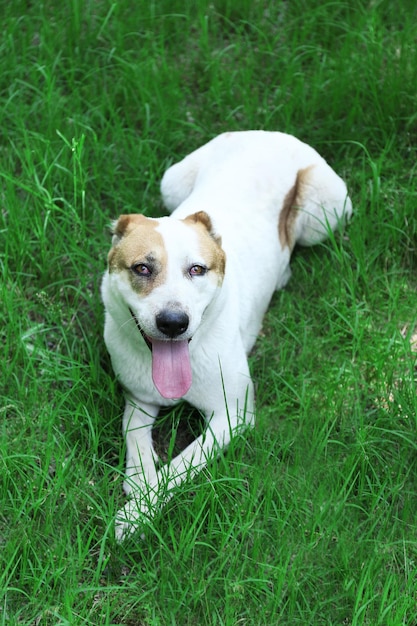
(311, 518)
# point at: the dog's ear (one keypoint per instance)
(201, 217)
(122, 226)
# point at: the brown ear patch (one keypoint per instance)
(292, 202)
(201, 217)
(125, 224)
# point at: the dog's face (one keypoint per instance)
(167, 272)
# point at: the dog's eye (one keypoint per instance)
(197, 270)
(141, 269)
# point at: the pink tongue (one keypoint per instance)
(171, 368)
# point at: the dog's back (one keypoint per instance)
(238, 171)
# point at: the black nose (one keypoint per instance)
(172, 323)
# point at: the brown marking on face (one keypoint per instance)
(210, 243)
(137, 242)
(289, 212)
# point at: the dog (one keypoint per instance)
(185, 295)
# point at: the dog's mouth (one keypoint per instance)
(171, 366)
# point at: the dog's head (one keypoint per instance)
(167, 272)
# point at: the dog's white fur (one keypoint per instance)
(263, 192)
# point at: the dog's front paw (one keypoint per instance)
(129, 519)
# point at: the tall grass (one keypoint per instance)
(310, 519)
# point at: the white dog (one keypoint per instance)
(185, 295)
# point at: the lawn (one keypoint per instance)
(311, 518)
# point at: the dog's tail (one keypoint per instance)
(179, 180)
(177, 184)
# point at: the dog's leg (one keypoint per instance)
(221, 427)
(322, 204)
(140, 454)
